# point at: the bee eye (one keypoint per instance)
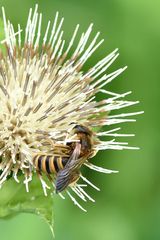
(80, 128)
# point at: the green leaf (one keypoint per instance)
(14, 199)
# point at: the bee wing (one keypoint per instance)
(65, 176)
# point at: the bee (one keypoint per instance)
(65, 160)
(81, 151)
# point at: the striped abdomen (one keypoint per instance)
(49, 163)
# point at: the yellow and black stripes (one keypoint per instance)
(49, 163)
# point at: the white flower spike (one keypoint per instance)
(44, 94)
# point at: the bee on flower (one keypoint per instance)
(50, 121)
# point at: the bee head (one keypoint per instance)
(82, 129)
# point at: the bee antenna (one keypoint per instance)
(72, 123)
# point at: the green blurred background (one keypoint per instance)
(128, 206)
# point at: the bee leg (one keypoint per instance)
(65, 180)
(74, 179)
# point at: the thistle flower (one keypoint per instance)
(43, 91)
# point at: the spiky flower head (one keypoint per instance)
(43, 93)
